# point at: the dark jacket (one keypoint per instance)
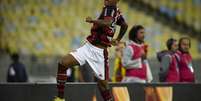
(17, 73)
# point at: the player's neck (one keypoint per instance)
(138, 41)
(110, 5)
(183, 52)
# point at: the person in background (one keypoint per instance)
(86, 73)
(185, 60)
(119, 71)
(135, 57)
(16, 71)
(70, 72)
(168, 63)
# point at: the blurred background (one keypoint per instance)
(41, 31)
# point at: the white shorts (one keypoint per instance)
(133, 80)
(96, 57)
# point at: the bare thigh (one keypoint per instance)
(69, 61)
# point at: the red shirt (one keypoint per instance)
(138, 50)
(104, 34)
(173, 71)
(185, 67)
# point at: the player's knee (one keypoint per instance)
(66, 61)
(103, 84)
(62, 61)
(61, 68)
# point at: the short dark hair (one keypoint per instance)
(170, 42)
(133, 32)
(15, 57)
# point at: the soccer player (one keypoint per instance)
(135, 57)
(94, 51)
(185, 60)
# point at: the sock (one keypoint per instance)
(107, 95)
(61, 79)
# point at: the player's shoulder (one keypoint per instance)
(111, 7)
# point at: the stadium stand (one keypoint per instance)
(53, 27)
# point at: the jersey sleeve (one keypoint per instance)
(165, 63)
(120, 20)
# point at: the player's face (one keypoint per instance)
(110, 2)
(185, 45)
(174, 46)
(140, 34)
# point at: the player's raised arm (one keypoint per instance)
(108, 14)
(123, 28)
(100, 22)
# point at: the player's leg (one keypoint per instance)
(66, 62)
(103, 84)
(97, 58)
(105, 90)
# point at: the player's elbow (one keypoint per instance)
(124, 25)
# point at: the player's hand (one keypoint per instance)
(145, 51)
(144, 55)
(58, 99)
(114, 42)
(89, 20)
(146, 48)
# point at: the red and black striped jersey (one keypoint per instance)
(104, 34)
